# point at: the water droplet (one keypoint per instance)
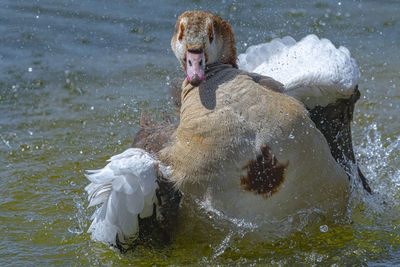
(291, 136)
(324, 228)
(75, 230)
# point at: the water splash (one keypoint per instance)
(378, 160)
(378, 156)
(7, 143)
(79, 220)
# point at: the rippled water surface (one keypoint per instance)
(75, 76)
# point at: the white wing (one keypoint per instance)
(125, 188)
(312, 70)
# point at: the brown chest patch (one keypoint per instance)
(264, 174)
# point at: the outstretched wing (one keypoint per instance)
(312, 70)
(125, 189)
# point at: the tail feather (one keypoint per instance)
(100, 195)
(125, 188)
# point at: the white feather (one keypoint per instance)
(312, 70)
(125, 188)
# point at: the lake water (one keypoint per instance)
(75, 77)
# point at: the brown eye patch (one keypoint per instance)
(210, 32)
(180, 37)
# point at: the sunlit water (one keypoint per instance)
(75, 76)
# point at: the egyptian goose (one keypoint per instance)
(242, 144)
(244, 147)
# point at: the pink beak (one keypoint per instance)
(195, 67)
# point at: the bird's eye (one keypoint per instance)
(201, 62)
(190, 63)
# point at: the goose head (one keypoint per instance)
(200, 39)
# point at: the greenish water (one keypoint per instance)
(75, 77)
